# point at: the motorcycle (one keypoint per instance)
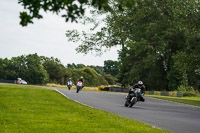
(69, 85)
(134, 97)
(79, 86)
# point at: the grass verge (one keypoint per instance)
(40, 110)
(186, 100)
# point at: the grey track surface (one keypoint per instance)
(174, 117)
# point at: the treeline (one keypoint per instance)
(41, 70)
(160, 42)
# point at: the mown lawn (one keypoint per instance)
(186, 100)
(40, 110)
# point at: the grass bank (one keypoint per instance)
(186, 100)
(40, 110)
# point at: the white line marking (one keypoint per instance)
(72, 99)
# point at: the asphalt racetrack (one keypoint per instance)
(174, 117)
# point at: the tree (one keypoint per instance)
(169, 36)
(6, 70)
(71, 66)
(74, 8)
(78, 66)
(111, 67)
(28, 67)
(110, 35)
(55, 69)
(98, 69)
(91, 77)
(19, 65)
(35, 71)
(110, 79)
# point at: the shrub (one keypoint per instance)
(100, 88)
(109, 78)
(181, 88)
(190, 94)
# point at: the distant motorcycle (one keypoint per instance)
(69, 85)
(134, 97)
(79, 86)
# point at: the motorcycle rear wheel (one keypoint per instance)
(126, 103)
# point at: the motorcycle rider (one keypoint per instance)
(138, 85)
(81, 79)
(69, 83)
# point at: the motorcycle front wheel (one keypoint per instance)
(78, 89)
(69, 87)
(126, 103)
(133, 101)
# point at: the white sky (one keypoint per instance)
(46, 37)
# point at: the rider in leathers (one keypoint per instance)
(138, 85)
(81, 79)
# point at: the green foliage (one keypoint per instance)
(41, 70)
(25, 19)
(159, 39)
(190, 94)
(98, 69)
(186, 100)
(90, 76)
(27, 67)
(111, 67)
(110, 79)
(182, 88)
(74, 66)
(55, 69)
(6, 69)
(35, 72)
(74, 8)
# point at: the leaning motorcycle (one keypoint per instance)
(134, 97)
(79, 86)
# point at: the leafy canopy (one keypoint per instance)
(74, 8)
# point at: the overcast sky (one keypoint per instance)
(46, 37)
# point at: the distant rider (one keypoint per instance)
(138, 85)
(69, 83)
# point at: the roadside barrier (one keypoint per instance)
(8, 81)
(113, 89)
(165, 93)
(158, 93)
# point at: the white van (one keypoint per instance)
(20, 81)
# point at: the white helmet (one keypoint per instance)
(140, 83)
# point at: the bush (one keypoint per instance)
(90, 76)
(157, 93)
(190, 94)
(100, 88)
(110, 79)
(181, 88)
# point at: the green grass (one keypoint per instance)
(40, 110)
(186, 100)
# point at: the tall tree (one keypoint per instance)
(35, 72)
(55, 69)
(111, 67)
(7, 71)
